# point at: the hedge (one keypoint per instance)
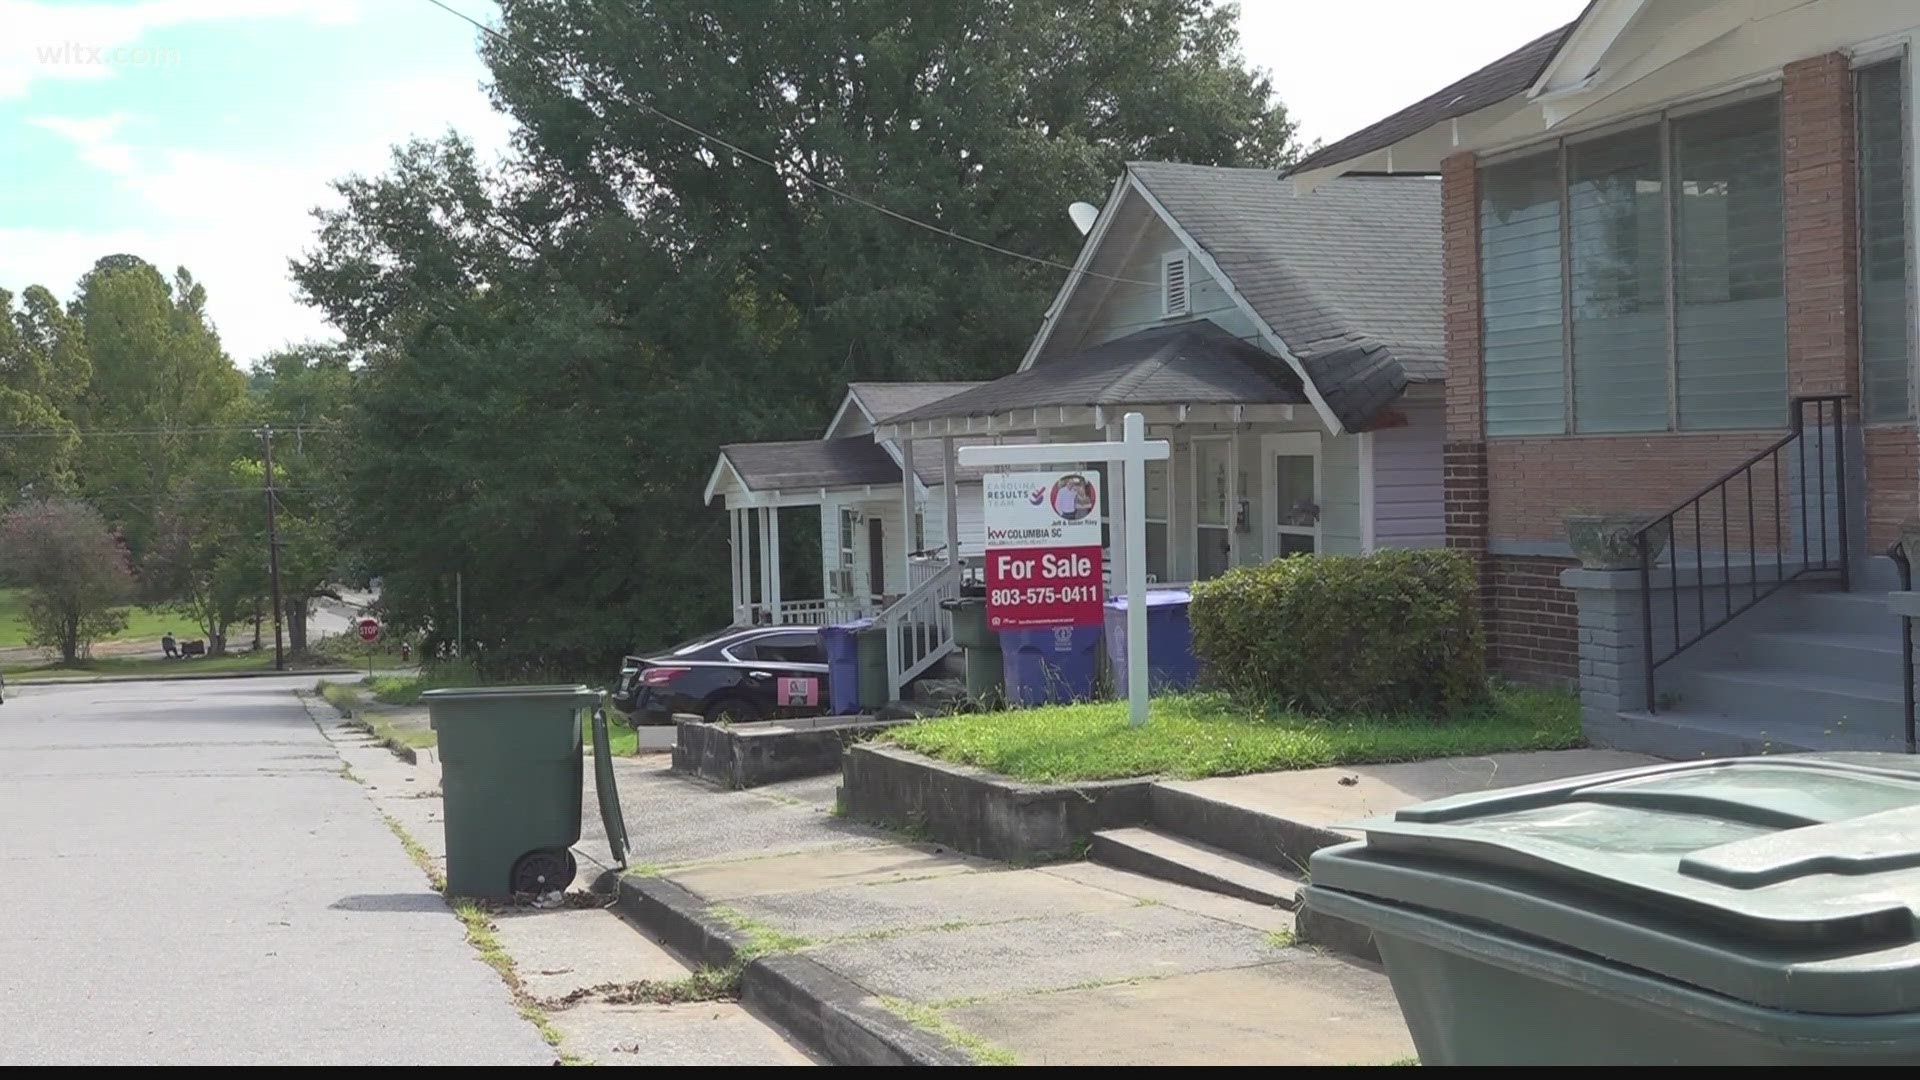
(1392, 632)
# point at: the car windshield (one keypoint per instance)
(704, 641)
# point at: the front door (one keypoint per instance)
(1295, 487)
(1212, 517)
(876, 556)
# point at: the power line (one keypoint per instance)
(122, 433)
(801, 173)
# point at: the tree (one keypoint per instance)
(206, 556)
(159, 371)
(43, 372)
(556, 349)
(75, 572)
(305, 392)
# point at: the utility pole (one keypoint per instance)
(273, 547)
(459, 614)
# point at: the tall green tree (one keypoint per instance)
(74, 570)
(305, 393)
(624, 296)
(44, 371)
(158, 370)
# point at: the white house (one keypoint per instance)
(1289, 345)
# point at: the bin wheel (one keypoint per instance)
(544, 871)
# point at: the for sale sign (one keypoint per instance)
(1043, 549)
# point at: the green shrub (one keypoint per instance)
(1392, 632)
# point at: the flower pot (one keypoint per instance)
(1606, 541)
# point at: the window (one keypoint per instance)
(790, 648)
(1884, 243)
(849, 534)
(1174, 299)
(1157, 509)
(1635, 281)
(1522, 314)
(919, 529)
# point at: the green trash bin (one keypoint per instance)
(510, 761)
(980, 645)
(1753, 911)
(870, 645)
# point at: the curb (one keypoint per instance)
(830, 1013)
(208, 677)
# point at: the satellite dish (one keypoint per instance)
(1083, 215)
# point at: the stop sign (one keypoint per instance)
(369, 629)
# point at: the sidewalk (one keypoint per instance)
(1075, 963)
(588, 977)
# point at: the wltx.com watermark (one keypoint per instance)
(80, 54)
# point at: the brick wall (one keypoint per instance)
(1532, 482)
(1822, 268)
(1534, 635)
(1893, 483)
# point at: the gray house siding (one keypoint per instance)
(1407, 481)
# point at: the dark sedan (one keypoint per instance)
(738, 674)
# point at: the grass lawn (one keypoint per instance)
(142, 622)
(406, 689)
(146, 665)
(1196, 735)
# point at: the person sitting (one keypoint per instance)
(169, 647)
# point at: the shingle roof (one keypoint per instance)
(812, 463)
(1348, 275)
(1190, 363)
(1492, 84)
(889, 399)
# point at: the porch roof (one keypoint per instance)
(1181, 365)
(804, 465)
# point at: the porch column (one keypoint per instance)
(951, 472)
(736, 559)
(772, 560)
(765, 595)
(907, 503)
(1117, 495)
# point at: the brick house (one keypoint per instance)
(1663, 225)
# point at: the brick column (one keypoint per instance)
(1822, 268)
(1465, 452)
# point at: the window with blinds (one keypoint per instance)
(1730, 332)
(1661, 302)
(1522, 313)
(1881, 109)
(1617, 234)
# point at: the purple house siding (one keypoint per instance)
(1407, 480)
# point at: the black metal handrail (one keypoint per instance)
(1901, 563)
(1664, 530)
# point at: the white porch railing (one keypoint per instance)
(826, 612)
(919, 630)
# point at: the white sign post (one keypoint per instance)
(1132, 452)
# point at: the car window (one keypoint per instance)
(704, 642)
(795, 648)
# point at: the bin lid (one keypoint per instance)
(585, 695)
(1156, 598)
(1789, 882)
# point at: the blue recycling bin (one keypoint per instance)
(1050, 664)
(1171, 664)
(842, 645)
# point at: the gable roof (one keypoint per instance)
(1512, 74)
(1346, 277)
(1186, 363)
(810, 463)
(885, 400)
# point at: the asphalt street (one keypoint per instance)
(190, 878)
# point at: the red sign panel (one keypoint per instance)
(798, 690)
(369, 630)
(1043, 587)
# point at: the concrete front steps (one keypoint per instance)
(1807, 669)
(1250, 837)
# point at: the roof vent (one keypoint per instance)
(1173, 284)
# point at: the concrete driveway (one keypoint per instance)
(191, 879)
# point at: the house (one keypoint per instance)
(1289, 345)
(1678, 284)
(873, 532)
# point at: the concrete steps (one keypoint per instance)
(1190, 862)
(1812, 670)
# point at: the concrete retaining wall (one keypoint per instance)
(748, 755)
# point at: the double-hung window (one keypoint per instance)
(1881, 94)
(1633, 280)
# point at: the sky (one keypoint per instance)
(203, 132)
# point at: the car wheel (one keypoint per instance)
(732, 710)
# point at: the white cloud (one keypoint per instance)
(51, 39)
(95, 138)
